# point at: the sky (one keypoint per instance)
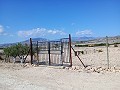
(53, 19)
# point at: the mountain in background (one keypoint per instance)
(114, 39)
(24, 42)
(34, 40)
(74, 39)
(82, 38)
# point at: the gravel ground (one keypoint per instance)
(27, 77)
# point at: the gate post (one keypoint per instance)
(49, 52)
(37, 52)
(31, 51)
(70, 54)
(61, 52)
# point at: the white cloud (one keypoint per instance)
(3, 32)
(39, 32)
(56, 32)
(84, 32)
(1, 29)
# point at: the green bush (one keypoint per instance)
(17, 50)
(81, 45)
(115, 45)
(101, 44)
(90, 45)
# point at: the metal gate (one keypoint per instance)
(51, 52)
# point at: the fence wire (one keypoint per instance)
(95, 54)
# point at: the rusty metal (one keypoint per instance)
(31, 50)
(37, 52)
(61, 52)
(49, 53)
(70, 50)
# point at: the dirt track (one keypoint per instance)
(17, 77)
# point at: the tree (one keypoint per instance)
(23, 51)
(19, 50)
(7, 54)
(14, 52)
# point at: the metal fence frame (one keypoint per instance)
(49, 43)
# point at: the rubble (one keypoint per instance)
(91, 69)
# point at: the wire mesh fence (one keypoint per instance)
(98, 54)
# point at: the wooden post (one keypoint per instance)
(79, 58)
(31, 51)
(70, 53)
(49, 52)
(61, 52)
(76, 53)
(107, 51)
(37, 52)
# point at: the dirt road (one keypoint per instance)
(17, 77)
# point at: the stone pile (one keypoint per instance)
(91, 69)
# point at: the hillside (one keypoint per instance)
(83, 40)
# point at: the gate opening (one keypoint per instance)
(51, 52)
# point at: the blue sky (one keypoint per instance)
(53, 19)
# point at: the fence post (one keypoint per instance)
(107, 51)
(37, 52)
(61, 52)
(31, 51)
(49, 52)
(70, 57)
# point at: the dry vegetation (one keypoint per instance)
(41, 77)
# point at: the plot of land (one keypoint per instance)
(17, 77)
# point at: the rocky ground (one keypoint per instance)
(32, 77)
(96, 76)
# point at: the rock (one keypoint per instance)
(34, 65)
(70, 68)
(99, 68)
(63, 67)
(88, 68)
(98, 71)
(114, 67)
(77, 67)
(103, 68)
(73, 67)
(92, 70)
(66, 67)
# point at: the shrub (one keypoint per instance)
(17, 50)
(115, 45)
(100, 50)
(81, 45)
(101, 44)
